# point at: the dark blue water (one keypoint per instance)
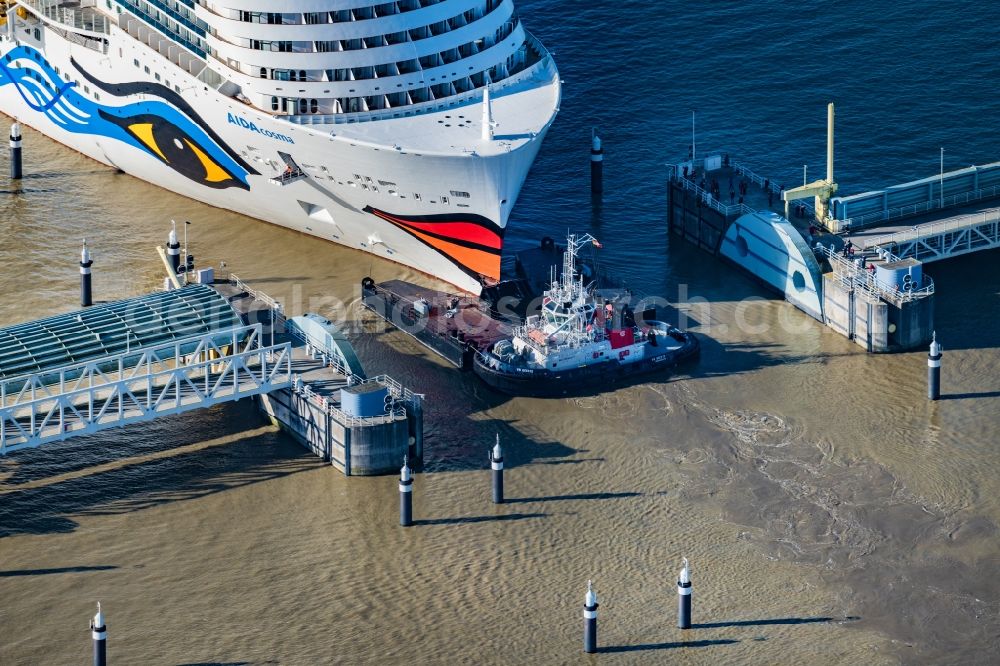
(907, 79)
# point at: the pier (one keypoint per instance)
(855, 263)
(168, 353)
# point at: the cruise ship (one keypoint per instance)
(404, 129)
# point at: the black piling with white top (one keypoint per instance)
(405, 495)
(596, 164)
(86, 290)
(590, 620)
(934, 369)
(15, 151)
(99, 633)
(684, 597)
(496, 464)
(173, 249)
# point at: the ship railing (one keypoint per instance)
(69, 14)
(287, 177)
(414, 109)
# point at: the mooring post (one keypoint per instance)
(99, 633)
(173, 248)
(496, 463)
(934, 369)
(590, 620)
(86, 289)
(596, 163)
(405, 495)
(15, 151)
(684, 597)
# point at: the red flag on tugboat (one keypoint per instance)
(621, 338)
(597, 243)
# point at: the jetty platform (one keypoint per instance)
(855, 263)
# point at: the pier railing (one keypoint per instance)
(912, 210)
(944, 239)
(256, 294)
(853, 275)
(735, 210)
(160, 380)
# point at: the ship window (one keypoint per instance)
(263, 72)
(146, 69)
(157, 75)
(135, 62)
(444, 200)
(302, 106)
(461, 195)
(416, 196)
(313, 106)
(274, 103)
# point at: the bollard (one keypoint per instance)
(684, 598)
(173, 248)
(405, 496)
(934, 369)
(496, 463)
(15, 151)
(590, 620)
(99, 632)
(596, 164)
(86, 291)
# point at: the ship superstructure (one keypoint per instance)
(584, 339)
(404, 129)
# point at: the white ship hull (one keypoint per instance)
(395, 200)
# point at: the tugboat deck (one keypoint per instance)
(450, 325)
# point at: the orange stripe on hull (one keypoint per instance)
(484, 263)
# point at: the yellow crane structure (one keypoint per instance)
(822, 190)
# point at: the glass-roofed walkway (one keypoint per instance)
(130, 361)
(114, 328)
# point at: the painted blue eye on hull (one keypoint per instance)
(143, 125)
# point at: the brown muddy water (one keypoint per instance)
(830, 513)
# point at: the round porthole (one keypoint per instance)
(799, 281)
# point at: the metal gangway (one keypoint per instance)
(935, 241)
(160, 380)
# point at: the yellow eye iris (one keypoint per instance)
(213, 172)
(144, 132)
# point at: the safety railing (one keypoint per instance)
(912, 210)
(191, 373)
(936, 228)
(852, 273)
(709, 200)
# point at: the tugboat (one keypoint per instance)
(584, 340)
